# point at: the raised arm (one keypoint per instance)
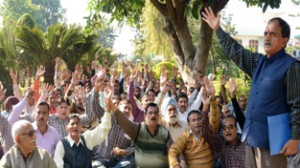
(36, 85)
(210, 126)
(16, 88)
(137, 113)
(244, 59)
(18, 108)
(237, 110)
(223, 89)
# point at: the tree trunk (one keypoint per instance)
(49, 74)
(204, 44)
(178, 32)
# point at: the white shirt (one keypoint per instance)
(91, 137)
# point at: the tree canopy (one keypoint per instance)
(174, 13)
(43, 12)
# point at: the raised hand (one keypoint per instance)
(166, 87)
(45, 92)
(40, 72)
(210, 18)
(209, 86)
(134, 74)
(75, 79)
(29, 95)
(223, 80)
(175, 72)
(13, 76)
(2, 92)
(205, 99)
(232, 87)
(164, 76)
(100, 80)
(108, 92)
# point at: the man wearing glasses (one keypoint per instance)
(25, 152)
(47, 136)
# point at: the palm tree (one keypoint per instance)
(8, 56)
(60, 40)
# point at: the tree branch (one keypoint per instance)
(160, 7)
(174, 40)
(179, 9)
(171, 10)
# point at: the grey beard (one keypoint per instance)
(173, 120)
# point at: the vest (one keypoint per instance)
(151, 150)
(77, 156)
(268, 96)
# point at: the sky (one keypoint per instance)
(247, 20)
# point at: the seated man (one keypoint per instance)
(152, 140)
(75, 150)
(196, 144)
(117, 150)
(25, 153)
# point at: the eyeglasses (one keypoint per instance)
(229, 127)
(29, 133)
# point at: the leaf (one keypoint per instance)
(195, 12)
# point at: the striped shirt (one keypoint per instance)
(5, 134)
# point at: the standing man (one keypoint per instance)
(275, 89)
(25, 153)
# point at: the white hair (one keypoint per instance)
(17, 127)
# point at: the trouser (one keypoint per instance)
(294, 161)
(123, 162)
(261, 158)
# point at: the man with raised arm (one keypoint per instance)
(275, 89)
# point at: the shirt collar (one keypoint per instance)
(191, 133)
(72, 142)
(35, 127)
(279, 54)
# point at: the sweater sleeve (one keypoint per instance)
(176, 149)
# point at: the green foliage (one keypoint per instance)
(264, 3)
(168, 66)
(242, 88)
(43, 12)
(8, 51)
(119, 10)
(107, 35)
(155, 41)
(26, 20)
(50, 13)
(68, 42)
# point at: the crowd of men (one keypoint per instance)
(98, 116)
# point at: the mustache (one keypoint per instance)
(268, 43)
(173, 116)
(153, 118)
(32, 141)
(42, 119)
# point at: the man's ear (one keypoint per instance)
(285, 41)
(18, 139)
